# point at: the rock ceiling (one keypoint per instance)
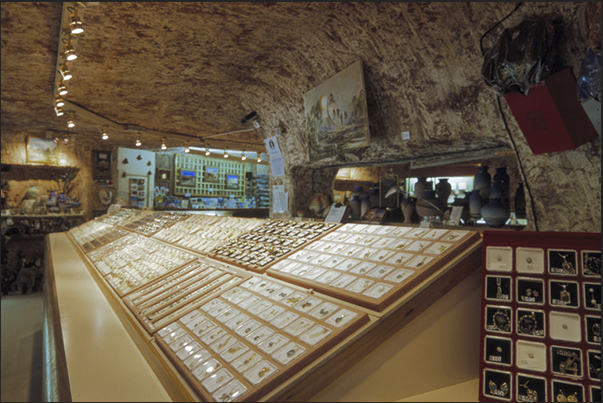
(198, 68)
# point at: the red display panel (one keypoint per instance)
(540, 317)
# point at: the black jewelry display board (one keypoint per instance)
(541, 317)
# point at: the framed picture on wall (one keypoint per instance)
(232, 182)
(102, 164)
(187, 178)
(212, 174)
(163, 175)
(43, 151)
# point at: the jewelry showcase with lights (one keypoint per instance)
(541, 317)
(234, 329)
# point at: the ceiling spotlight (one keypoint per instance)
(58, 101)
(61, 88)
(138, 143)
(65, 140)
(105, 135)
(71, 122)
(59, 111)
(75, 23)
(163, 146)
(56, 140)
(243, 157)
(186, 149)
(69, 51)
(207, 150)
(225, 153)
(259, 158)
(64, 70)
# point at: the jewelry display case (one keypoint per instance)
(371, 265)
(213, 328)
(541, 317)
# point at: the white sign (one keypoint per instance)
(272, 147)
(336, 214)
(276, 164)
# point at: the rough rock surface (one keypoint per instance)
(197, 68)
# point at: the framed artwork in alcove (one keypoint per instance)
(336, 114)
(102, 164)
(41, 151)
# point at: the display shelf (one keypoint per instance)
(370, 265)
(541, 317)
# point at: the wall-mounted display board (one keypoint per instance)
(202, 176)
(541, 317)
(240, 345)
(269, 243)
(371, 265)
(202, 233)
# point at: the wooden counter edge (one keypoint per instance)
(55, 377)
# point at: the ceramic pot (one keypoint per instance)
(358, 191)
(374, 197)
(520, 202)
(495, 213)
(32, 193)
(408, 208)
(54, 209)
(355, 205)
(429, 205)
(501, 176)
(496, 191)
(482, 181)
(475, 205)
(464, 203)
(365, 205)
(43, 204)
(76, 204)
(421, 186)
(52, 199)
(443, 190)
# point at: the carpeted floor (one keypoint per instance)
(22, 323)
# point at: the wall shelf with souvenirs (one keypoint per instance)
(541, 317)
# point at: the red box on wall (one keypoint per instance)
(551, 117)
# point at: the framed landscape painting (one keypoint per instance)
(336, 114)
(42, 151)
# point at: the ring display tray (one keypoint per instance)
(241, 344)
(372, 266)
(202, 234)
(541, 317)
(150, 224)
(94, 234)
(174, 294)
(270, 243)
